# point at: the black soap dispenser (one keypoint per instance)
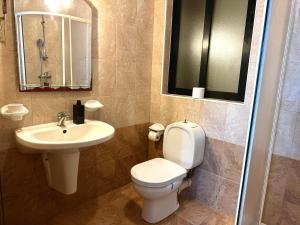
(78, 113)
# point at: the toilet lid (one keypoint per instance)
(157, 172)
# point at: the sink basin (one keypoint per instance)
(52, 138)
(60, 148)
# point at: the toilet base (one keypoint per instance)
(155, 210)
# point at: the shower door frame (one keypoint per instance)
(263, 123)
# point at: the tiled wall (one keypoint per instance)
(216, 181)
(122, 64)
(282, 203)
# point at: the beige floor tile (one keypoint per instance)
(123, 206)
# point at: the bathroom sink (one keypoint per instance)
(50, 137)
(60, 148)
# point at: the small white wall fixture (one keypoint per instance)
(15, 112)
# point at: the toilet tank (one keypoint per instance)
(184, 144)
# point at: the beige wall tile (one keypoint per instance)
(285, 133)
(289, 106)
(213, 119)
(125, 111)
(126, 11)
(236, 125)
(126, 37)
(215, 191)
(227, 197)
(125, 78)
(223, 159)
(205, 187)
(155, 112)
(145, 15)
(45, 107)
(142, 108)
(106, 39)
(296, 139)
(107, 113)
(106, 78)
(143, 78)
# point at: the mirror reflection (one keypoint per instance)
(54, 48)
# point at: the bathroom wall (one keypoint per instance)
(282, 202)
(216, 181)
(122, 65)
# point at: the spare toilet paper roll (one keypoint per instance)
(198, 92)
(153, 136)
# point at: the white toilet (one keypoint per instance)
(158, 180)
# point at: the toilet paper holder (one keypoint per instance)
(156, 131)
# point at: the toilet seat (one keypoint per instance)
(157, 173)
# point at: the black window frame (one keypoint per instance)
(240, 95)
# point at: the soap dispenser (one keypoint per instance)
(78, 113)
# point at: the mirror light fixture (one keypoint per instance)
(57, 5)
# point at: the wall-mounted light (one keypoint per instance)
(57, 5)
(53, 5)
(66, 3)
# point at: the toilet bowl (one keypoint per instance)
(159, 203)
(158, 180)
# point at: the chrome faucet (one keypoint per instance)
(62, 116)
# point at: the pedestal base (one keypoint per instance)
(62, 170)
(155, 210)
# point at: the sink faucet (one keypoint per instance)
(62, 116)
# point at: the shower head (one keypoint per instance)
(40, 43)
(44, 55)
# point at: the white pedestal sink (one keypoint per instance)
(60, 148)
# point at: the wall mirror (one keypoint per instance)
(207, 44)
(54, 45)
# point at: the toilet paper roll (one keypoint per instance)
(153, 136)
(198, 93)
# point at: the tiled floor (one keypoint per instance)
(123, 207)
